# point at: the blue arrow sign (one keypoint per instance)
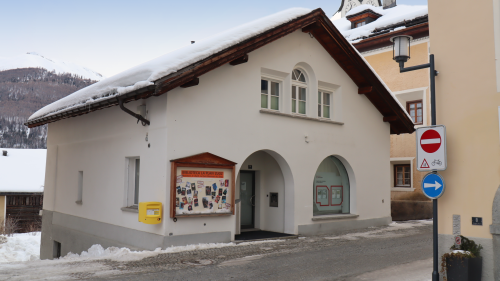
(433, 185)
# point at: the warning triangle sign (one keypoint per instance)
(424, 164)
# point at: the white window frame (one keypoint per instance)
(298, 84)
(280, 92)
(402, 161)
(321, 103)
(130, 179)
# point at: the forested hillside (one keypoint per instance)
(24, 91)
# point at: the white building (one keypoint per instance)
(311, 147)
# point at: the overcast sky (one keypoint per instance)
(111, 36)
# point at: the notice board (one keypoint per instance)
(202, 185)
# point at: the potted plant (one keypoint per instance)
(464, 263)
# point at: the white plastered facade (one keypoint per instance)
(222, 115)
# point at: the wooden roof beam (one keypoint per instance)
(240, 60)
(390, 118)
(310, 28)
(365, 90)
(191, 83)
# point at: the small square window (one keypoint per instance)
(402, 175)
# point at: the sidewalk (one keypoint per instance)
(414, 271)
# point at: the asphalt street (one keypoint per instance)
(342, 256)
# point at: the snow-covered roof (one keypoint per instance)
(22, 170)
(145, 74)
(389, 17)
(33, 59)
(363, 7)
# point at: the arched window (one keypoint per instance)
(299, 89)
(331, 188)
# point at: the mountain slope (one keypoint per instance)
(24, 91)
(34, 60)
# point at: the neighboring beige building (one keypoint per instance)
(467, 103)
(369, 28)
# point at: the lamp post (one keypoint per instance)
(401, 54)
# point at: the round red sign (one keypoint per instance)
(430, 141)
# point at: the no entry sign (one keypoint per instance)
(431, 148)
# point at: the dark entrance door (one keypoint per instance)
(247, 196)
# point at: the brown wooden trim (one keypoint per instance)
(173, 185)
(310, 28)
(395, 175)
(390, 118)
(365, 90)
(380, 41)
(240, 60)
(193, 82)
(363, 16)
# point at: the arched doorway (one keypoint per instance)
(265, 187)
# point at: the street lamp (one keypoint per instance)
(401, 48)
(401, 54)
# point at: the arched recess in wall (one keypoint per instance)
(272, 174)
(334, 187)
(312, 87)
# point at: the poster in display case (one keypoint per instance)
(204, 186)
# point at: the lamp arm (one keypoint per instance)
(411, 68)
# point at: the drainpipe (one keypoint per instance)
(139, 117)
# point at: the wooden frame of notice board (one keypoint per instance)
(203, 170)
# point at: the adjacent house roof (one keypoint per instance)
(182, 66)
(22, 170)
(402, 19)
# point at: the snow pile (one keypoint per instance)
(125, 254)
(389, 17)
(387, 232)
(145, 74)
(21, 247)
(33, 59)
(22, 170)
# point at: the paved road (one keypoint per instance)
(328, 257)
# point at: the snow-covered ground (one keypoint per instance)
(19, 256)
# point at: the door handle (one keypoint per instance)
(251, 201)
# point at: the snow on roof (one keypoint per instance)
(389, 17)
(33, 59)
(22, 170)
(145, 74)
(363, 7)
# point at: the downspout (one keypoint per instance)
(139, 117)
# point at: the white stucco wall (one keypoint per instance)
(222, 116)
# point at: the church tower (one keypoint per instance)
(348, 5)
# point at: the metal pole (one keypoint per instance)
(435, 272)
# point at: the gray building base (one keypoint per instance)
(76, 234)
(341, 225)
(447, 240)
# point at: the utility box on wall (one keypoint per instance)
(150, 212)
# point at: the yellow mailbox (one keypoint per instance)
(150, 212)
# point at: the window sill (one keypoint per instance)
(79, 202)
(132, 209)
(334, 217)
(300, 116)
(404, 189)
